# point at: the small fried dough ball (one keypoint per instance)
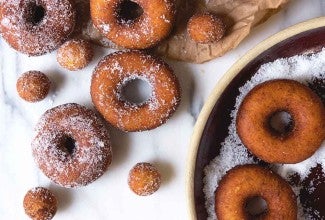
(40, 204)
(205, 28)
(33, 86)
(75, 54)
(144, 179)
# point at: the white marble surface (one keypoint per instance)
(167, 146)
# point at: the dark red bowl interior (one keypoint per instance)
(216, 128)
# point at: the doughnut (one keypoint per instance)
(35, 27)
(245, 183)
(144, 179)
(71, 146)
(117, 70)
(302, 137)
(75, 54)
(33, 86)
(205, 28)
(40, 204)
(136, 24)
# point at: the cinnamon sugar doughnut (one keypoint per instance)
(75, 54)
(35, 27)
(33, 86)
(304, 135)
(40, 204)
(144, 179)
(115, 71)
(136, 24)
(72, 146)
(205, 28)
(244, 183)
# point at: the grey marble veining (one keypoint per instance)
(166, 146)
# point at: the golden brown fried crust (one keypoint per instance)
(145, 31)
(205, 28)
(244, 182)
(117, 69)
(27, 33)
(40, 204)
(91, 154)
(144, 179)
(75, 54)
(33, 86)
(306, 110)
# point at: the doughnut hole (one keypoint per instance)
(40, 204)
(281, 123)
(144, 179)
(35, 13)
(33, 86)
(205, 28)
(135, 91)
(75, 54)
(255, 207)
(128, 11)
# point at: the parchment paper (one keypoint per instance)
(240, 16)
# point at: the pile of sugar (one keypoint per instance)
(302, 68)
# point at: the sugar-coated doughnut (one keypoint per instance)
(35, 27)
(244, 183)
(115, 71)
(33, 86)
(40, 204)
(307, 130)
(205, 28)
(72, 145)
(75, 54)
(144, 179)
(151, 23)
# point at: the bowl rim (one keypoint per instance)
(219, 89)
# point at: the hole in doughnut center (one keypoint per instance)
(256, 206)
(69, 144)
(129, 11)
(136, 91)
(281, 123)
(36, 14)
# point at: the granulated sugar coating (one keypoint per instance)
(72, 145)
(40, 203)
(144, 179)
(205, 28)
(33, 86)
(306, 69)
(36, 27)
(142, 31)
(111, 75)
(75, 54)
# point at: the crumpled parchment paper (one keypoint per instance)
(240, 16)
